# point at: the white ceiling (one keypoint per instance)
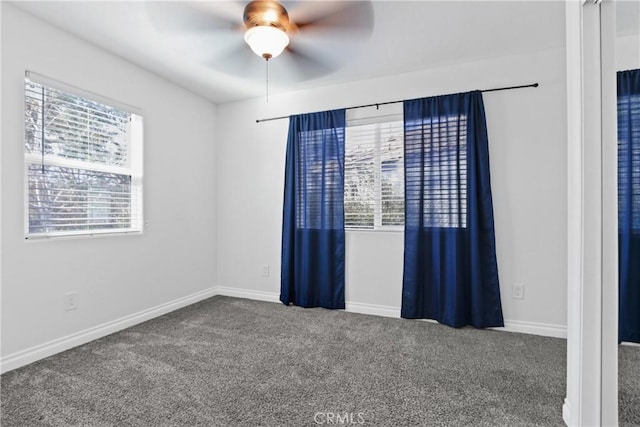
(406, 36)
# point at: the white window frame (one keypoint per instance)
(380, 116)
(134, 170)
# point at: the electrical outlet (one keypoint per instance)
(517, 291)
(265, 271)
(71, 301)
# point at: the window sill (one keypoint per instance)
(80, 235)
(378, 230)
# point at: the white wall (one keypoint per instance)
(114, 276)
(527, 134)
(628, 53)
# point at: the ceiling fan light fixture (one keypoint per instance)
(266, 41)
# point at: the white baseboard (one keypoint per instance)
(30, 355)
(248, 294)
(373, 309)
(535, 328)
(566, 412)
(351, 307)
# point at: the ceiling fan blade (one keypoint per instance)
(238, 61)
(353, 18)
(185, 17)
(322, 40)
(296, 65)
(231, 11)
(292, 66)
(202, 47)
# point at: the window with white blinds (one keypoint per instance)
(436, 171)
(83, 165)
(374, 169)
(629, 160)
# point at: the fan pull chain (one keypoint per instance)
(267, 77)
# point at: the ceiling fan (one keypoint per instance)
(310, 38)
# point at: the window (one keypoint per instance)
(83, 164)
(436, 170)
(436, 150)
(319, 180)
(629, 160)
(374, 169)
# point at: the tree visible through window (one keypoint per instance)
(375, 166)
(83, 163)
(374, 173)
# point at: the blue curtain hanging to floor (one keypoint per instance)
(629, 204)
(450, 267)
(313, 216)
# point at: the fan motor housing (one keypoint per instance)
(266, 13)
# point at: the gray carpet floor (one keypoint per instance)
(231, 362)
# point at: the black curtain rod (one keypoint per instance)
(378, 104)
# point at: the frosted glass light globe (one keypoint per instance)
(266, 41)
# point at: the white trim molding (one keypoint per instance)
(592, 213)
(248, 294)
(38, 352)
(373, 309)
(351, 307)
(566, 411)
(534, 328)
(33, 354)
(517, 326)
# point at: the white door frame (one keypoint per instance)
(592, 231)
